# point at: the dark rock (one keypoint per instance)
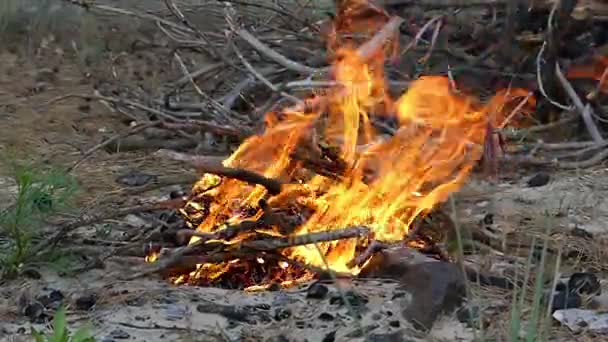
(135, 179)
(84, 107)
(488, 219)
(326, 317)
(281, 314)
(35, 312)
(394, 324)
(584, 283)
(317, 291)
(540, 179)
(435, 287)
(56, 296)
(120, 334)
(565, 300)
(177, 194)
(31, 273)
(330, 337)
(395, 336)
(578, 232)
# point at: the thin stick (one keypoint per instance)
(264, 79)
(275, 56)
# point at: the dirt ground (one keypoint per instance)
(41, 125)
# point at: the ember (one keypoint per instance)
(342, 183)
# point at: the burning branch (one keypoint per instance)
(298, 240)
(211, 165)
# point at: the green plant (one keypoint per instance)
(61, 333)
(39, 195)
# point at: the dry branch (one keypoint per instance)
(213, 166)
(275, 56)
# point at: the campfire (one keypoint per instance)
(337, 173)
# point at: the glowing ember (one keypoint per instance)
(386, 181)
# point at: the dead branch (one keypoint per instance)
(207, 165)
(275, 56)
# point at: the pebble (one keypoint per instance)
(86, 302)
(317, 291)
(540, 179)
(120, 334)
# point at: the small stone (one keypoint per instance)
(394, 324)
(578, 232)
(565, 300)
(120, 334)
(330, 337)
(281, 314)
(55, 296)
(488, 219)
(35, 312)
(317, 291)
(31, 273)
(326, 317)
(86, 302)
(135, 178)
(84, 107)
(177, 194)
(584, 283)
(540, 179)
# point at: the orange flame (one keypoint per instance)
(389, 181)
(598, 71)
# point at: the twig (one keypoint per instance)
(264, 79)
(186, 78)
(275, 56)
(585, 110)
(211, 166)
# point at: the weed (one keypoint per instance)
(61, 332)
(39, 195)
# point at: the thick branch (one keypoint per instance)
(210, 165)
